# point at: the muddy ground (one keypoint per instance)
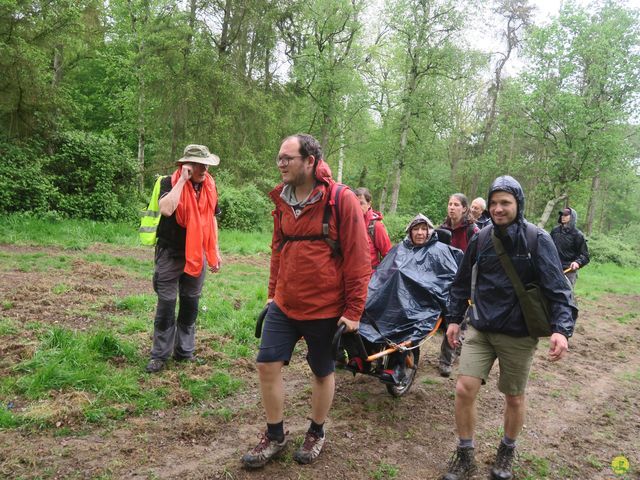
(583, 412)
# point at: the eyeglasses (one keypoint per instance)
(284, 160)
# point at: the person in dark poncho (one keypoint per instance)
(410, 289)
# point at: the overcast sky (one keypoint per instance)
(486, 31)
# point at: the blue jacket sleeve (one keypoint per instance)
(460, 291)
(583, 257)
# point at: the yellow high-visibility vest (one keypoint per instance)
(150, 218)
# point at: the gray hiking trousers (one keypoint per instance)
(169, 279)
(448, 355)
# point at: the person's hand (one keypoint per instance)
(216, 268)
(574, 266)
(269, 300)
(558, 347)
(453, 335)
(187, 172)
(350, 325)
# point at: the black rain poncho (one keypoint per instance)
(409, 291)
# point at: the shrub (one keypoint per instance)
(23, 187)
(94, 177)
(243, 208)
(396, 225)
(613, 249)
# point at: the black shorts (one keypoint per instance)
(281, 333)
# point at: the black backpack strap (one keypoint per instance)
(483, 238)
(332, 203)
(532, 238)
(371, 228)
(470, 230)
(531, 234)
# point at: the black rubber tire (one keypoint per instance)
(400, 390)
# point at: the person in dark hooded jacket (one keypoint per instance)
(497, 328)
(571, 244)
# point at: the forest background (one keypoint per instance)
(99, 97)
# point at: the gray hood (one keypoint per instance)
(572, 222)
(419, 218)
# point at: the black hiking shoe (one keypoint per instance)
(260, 455)
(504, 463)
(445, 370)
(190, 360)
(310, 449)
(155, 365)
(462, 464)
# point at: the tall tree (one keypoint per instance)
(422, 32)
(582, 75)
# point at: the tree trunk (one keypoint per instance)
(404, 135)
(383, 197)
(57, 65)
(324, 132)
(140, 52)
(341, 158)
(591, 209)
(225, 42)
(141, 134)
(549, 208)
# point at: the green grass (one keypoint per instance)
(107, 368)
(532, 467)
(71, 234)
(19, 229)
(219, 385)
(596, 280)
(8, 327)
(137, 304)
(141, 268)
(385, 471)
(628, 317)
(35, 262)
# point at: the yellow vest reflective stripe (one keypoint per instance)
(150, 218)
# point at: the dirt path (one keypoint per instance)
(583, 412)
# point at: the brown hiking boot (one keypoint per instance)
(462, 464)
(504, 463)
(310, 449)
(266, 449)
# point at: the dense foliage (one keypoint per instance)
(99, 97)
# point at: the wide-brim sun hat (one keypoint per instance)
(199, 154)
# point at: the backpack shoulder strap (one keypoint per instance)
(483, 238)
(371, 228)
(333, 203)
(470, 230)
(532, 238)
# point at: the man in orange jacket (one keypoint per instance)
(320, 269)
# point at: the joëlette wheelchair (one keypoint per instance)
(394, 363)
